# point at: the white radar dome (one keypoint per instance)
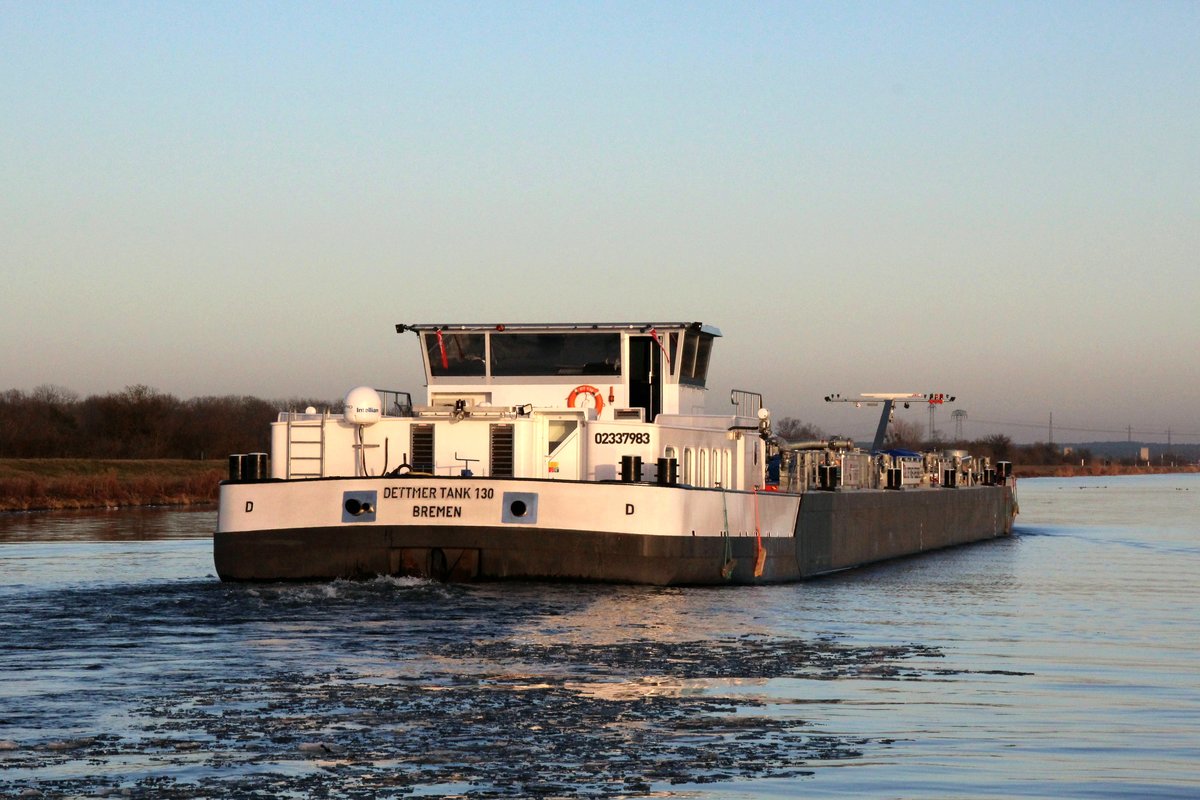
(363, 406)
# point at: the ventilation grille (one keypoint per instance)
(422, 448)
(502, 451)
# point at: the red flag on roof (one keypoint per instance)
(442, 350)
(661, 346)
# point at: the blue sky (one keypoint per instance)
(996, 200)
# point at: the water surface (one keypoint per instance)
(1056, 663)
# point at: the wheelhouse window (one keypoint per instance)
(455, 354)
(693, 367)
(525, 354)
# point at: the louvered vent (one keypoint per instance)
(422, 448)
(502, 451)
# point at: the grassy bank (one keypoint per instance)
(31, 484)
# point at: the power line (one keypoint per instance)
(1128, 431)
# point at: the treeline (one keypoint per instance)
(137, 422)
(906, 435)
(143, 423)
(903, 435)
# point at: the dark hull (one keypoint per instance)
(834, 531)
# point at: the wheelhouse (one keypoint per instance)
(621, 370)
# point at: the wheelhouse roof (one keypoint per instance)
(561, 327)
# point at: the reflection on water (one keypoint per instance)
(117, 525)
(81, 548)
(1056, 663)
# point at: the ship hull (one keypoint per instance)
(466, 529)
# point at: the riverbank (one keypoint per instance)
(38, 484)
(1087, 470)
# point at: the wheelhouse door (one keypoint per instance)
(645, 375)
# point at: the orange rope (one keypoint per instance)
(759, 559)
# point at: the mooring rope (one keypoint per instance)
(760, 555)
(728, 565)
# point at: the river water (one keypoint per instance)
(1060, 662)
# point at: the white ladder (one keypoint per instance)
(306, 451)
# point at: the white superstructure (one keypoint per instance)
(563, 402)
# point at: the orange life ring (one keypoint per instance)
(585, 389)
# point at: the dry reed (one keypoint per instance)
(107, 489)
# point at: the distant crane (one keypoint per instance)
(959, 415)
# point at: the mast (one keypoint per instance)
(889, 399)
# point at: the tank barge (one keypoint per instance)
(582, 452)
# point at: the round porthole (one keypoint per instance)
(518, 508)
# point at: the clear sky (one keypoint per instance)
(995, 200)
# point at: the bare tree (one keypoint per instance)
(794, 430)
(904, 434)
(999, 446)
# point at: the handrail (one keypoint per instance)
(746, 402)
